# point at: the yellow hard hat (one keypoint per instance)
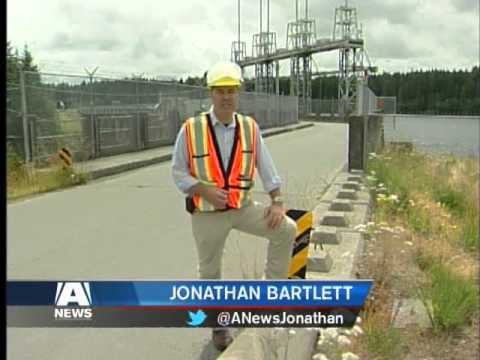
(225, 73)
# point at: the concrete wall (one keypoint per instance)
(365, 135)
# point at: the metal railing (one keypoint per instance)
(97, 116)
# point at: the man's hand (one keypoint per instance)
(214, 195)
(274, 215)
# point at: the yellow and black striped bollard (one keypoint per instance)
(298, 264)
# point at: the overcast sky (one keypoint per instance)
(184, 37)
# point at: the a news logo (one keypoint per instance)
(73, 293)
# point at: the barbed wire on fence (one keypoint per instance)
(97, 116)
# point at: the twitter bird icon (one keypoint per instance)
(196, 318)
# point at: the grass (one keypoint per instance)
(426, 180)
(435, 198)
(454, 299)
(470, 236)
(384, 343)
(24, 180)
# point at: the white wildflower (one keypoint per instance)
(357, 330)
(320, 356)
(344, 341)
(373, 172)
(350, 356)
(409, 243)
(393, 198)
(330, 333)
(320, 344)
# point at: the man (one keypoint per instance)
(214, 162)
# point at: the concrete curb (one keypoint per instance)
(136, 164)
(348, 253)
(95, 174)
(302, 343)
(281, 131)
(359, 215)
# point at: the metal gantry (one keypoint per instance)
(301, 34)
(239, 48)
(301, 44)
(264, 44)
(351, 70)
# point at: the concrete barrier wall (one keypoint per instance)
(365, 135)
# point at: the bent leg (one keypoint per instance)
(251, 220)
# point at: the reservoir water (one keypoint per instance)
(457, 135)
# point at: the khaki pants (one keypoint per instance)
(210, 230)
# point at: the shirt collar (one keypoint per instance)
(215, 121)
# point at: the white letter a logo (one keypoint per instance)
(73, 292)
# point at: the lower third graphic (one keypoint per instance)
(223, 318)
(196, 318)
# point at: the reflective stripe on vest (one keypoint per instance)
(205, 160)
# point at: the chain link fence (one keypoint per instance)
(325, 106)
(367, 103)
(96, 116)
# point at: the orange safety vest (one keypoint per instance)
(205, 162)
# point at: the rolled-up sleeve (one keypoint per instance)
(180, 173)
(265, 166)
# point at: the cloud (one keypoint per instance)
(82, 42)
(185, 37)
(468, 6)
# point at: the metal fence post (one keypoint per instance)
(26, 133)
(138, 126)
(93, 124)
(32, 123)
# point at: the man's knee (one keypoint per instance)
(290, 228)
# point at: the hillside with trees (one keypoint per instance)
(454, 92)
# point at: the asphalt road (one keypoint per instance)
(133, 226)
